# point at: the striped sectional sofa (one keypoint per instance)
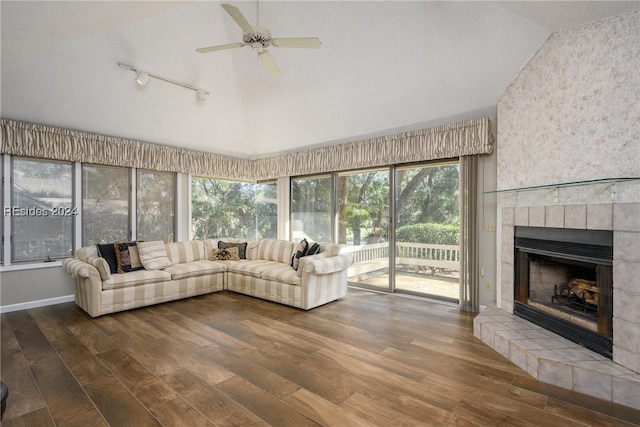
(265, 273)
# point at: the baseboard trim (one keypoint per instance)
(37, 303)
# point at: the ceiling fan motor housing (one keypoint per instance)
(259, 39)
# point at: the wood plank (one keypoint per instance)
(84, 329)
(59, 388)
(39, 417)
(259, 376)
(322, 411)
(118, 406)
(264, 405)
(178, 412)
(83, 364)
(24, 396)
(211, 402)
(145, 386)
(196, 361)
(329, 384)
(91, 417)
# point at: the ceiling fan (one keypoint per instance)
(259, 39)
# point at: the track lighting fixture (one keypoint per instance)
(142, 77)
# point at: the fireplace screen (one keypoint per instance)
(564, 283)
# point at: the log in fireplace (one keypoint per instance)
(564, 283)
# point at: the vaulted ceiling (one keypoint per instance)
(383, 66)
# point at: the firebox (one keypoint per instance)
(564, 283)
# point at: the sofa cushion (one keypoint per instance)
(275, 250)
(283, 274)
(332, 249)
(179, 252)
(194, 269)
(127, 257)
(142, 277)
(101, 265)
(153, 255)
(253, 268)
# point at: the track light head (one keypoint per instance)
(142, 78)
(200, 95)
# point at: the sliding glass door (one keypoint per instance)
(401, 225)
(363, 225)
(428, 230)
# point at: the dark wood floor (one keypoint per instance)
(227, 359)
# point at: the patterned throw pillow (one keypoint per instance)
(127, 257)
(226, 254)
(153, 255)
(300, 250)
(242, 248)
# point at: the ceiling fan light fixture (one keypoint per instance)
(142, 78)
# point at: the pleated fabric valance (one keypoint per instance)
(441, 142)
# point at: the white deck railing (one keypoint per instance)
(372, 257)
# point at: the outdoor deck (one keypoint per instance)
(421, 268)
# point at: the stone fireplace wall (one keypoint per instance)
(568, 126)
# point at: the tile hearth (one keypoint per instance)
(553, 359)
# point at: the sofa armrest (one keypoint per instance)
(79, 269)
(328, 265)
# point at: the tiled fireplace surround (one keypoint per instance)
(543, 354)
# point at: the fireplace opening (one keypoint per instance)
(564, 283)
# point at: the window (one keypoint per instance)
(311, 208)
(105, 204)
(155, 205)
(223, 208)
(41, 209)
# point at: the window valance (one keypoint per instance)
(440, 142)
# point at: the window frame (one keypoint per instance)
(9, 228)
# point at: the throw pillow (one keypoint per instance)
(300, 250)
(153, 255)
(313, 249)
(108, 252)
(128, 257)
(242, 248)
(226, 254)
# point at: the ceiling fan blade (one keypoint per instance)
(237, 16)
(269, 63)
(219, 47)
(305, 42)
